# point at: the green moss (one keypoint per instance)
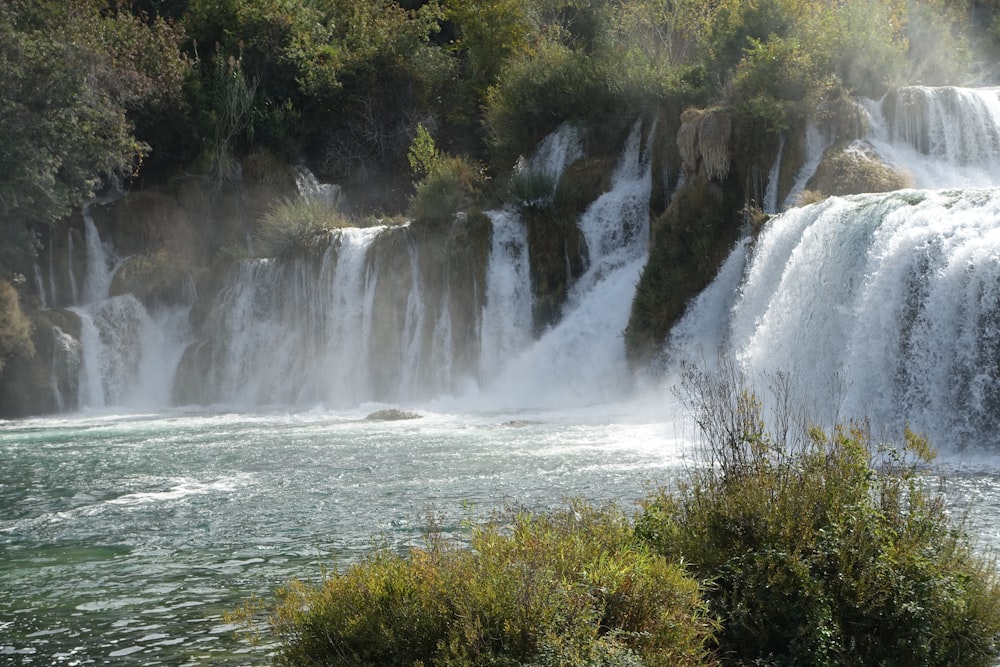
(15, 327)
(855, 168)
(689, 243)
(557, 255)
(155, 278)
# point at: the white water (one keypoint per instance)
(878, 305)
(507, 315)
(581, 360)
(365, 328)
(944, 137)
(557, 151)
(816, 144)
(773, 176)
(128, 355)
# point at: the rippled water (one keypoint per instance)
(123, 539)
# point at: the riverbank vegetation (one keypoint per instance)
(781, 546)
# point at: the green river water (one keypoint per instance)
(125, 538)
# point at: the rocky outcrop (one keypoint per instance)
(853, 168)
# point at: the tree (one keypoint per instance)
(69, 76)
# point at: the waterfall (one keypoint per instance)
(557, 151)
(43, 301)
(944, 137)
(507, 318)
(616, 224)
(128, 355)
(70, 269)
(374, 317)
(311, 189)
(770, 203)
(297, 331)
(816, 144)
(100, 262)
(885, 306)
(581, 359)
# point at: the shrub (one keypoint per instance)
(534, 94)
(15, 327)
(824, 549)
(529, 190)
(292, 225)
(568, 588)
(451, 186)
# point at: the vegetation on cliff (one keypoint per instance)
(105, 94)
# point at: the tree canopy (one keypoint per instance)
(92, 91)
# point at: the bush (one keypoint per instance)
(15, 327)
(826, 549)
(534, 94)
(452, 185)
(569, 588)
(292, 225)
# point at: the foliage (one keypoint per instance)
(823, 548)
(423, 155)
(531, 190)
(15, 329)
(572, 587)
(775, 83)
(293, 225)
(342, 82)
(454, 184)
(533, 96)
(937, 33)
(70, 75)
(73, 77)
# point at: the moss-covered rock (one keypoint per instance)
(392, 415)
(43, 378)
(853, 168)
(689, 243)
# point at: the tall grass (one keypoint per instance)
(293, 225)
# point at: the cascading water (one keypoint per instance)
(507, 318)
(943, 137)
(883, 305)
(296, 331)
(360, 321)
(582, 358)
(771, 192)
(816, 144)
(127, 354)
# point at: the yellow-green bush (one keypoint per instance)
(571, 587)
(830, 549)
(15, 327)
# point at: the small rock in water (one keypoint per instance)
(391, 414)
(520, 423)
